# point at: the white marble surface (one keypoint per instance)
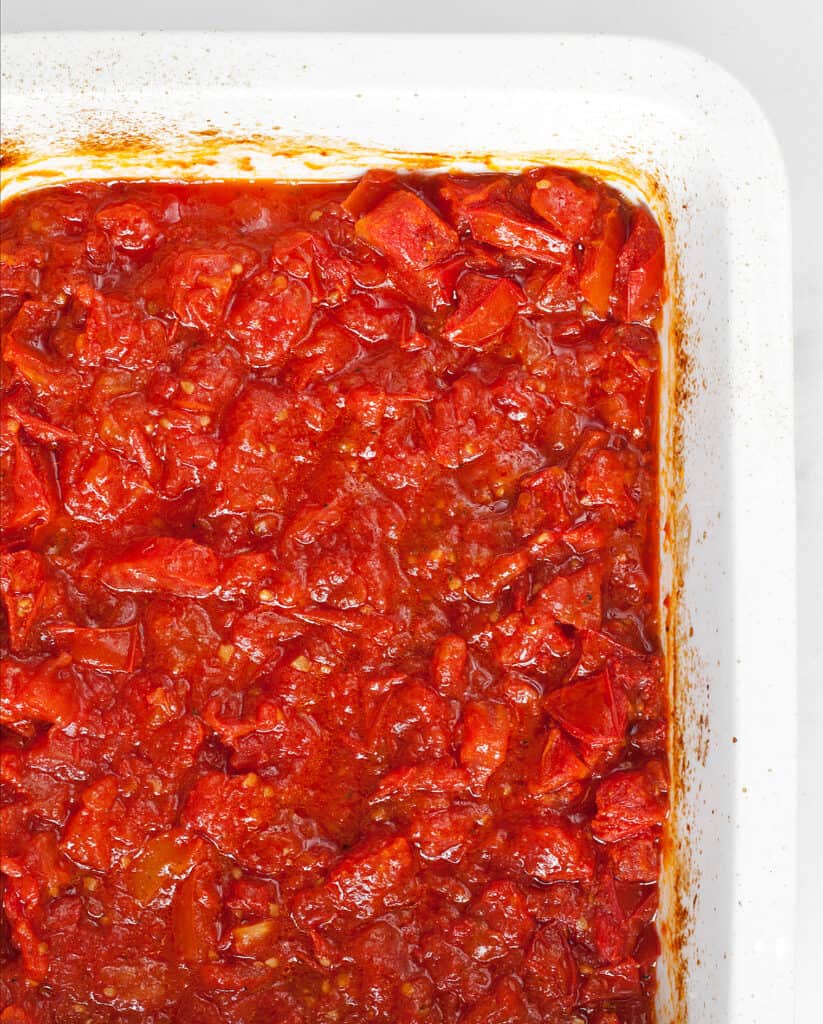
(775, 51)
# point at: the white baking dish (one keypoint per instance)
(669, 126)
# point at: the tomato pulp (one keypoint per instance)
(332, 685)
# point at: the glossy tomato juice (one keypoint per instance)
(332, 687)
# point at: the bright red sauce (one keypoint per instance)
(332, 687)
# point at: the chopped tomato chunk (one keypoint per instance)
(371, 879)
(463, 423)
(407, 231)
(559, 852)
(165, 860)
(609, 478)
(551, 972)
(636, 859)
(486, 732)
(370, 188)
(271, 313)
(575, 599)
(129, 227)
(42, 693)
(629, 802)
(203, 281)
(532, 636)
(568, 207)
(619, 981)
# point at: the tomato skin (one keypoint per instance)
(29, 479)
(331, 680)
(641, 266)
(115, 649)
(195, 915)
(164, 564)
(38, 429)
(34, 959)
(485, 308)
(599, 263)
(592, 710)
(560, 764)
(22, 586)
(502, 228)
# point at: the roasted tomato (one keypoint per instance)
(330, 678)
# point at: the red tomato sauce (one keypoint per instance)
(332, 685)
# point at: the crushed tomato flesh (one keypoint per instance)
(332, 684)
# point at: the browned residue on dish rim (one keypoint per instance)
(682, 665)
(134, 154)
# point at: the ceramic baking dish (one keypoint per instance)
(667, 126)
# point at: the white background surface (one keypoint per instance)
(776, 51)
